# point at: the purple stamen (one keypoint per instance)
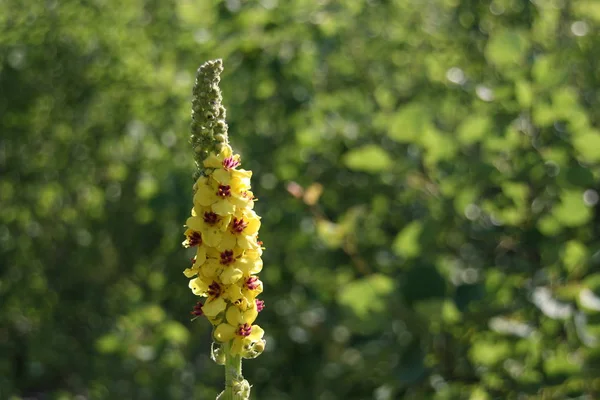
(227, 257)
(197, 311)
(214, 289)
(194, 239)
(260, 305)
(211, 218)
(238, 225)
(230, 163)
(252, 283)
(244, 330)
(224, 191)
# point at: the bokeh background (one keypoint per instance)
(428, 180)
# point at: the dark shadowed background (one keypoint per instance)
(428, 175)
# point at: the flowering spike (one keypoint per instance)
(223, 229)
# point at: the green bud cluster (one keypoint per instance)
(208, 128)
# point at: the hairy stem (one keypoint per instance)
(233, 374)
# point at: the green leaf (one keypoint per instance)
(108, 343)
(547, 71)
(407, 243)
(587, 9)
(330, 233)
(438, 145)
(524, 93)
(574, 257)
(588, 146)
(560, 363)
(572, 211)
(175, 332)
(474, 128)
(366, 295)
(506, 48)
(489, 353)
(409, 123)
(369, 158)
(549, 226)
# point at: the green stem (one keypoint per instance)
(233, 373)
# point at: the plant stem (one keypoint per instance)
(233, 373)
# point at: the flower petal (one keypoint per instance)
(231, 275)
(210, 268)
(234, 316)
(249, 316)
(200, 256)
(253, 254)
(213, 306)
(224, 223)
(198, 287)
(223, 207)
(234, 293)
(236, 346)
(250, 266)
(257, 333)
(205, 195)
(212, 161)
(190, 272)
(228, 241)
(212, 236)
(240, 178)
(224, 332)
(253, 226)
(195, 223)
(222, 176)
(247, 242)
(240, 201)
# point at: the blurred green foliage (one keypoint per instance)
(428, 175)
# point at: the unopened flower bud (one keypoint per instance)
(241, 388)
(208, 115)
(217, 354)
(254, 349)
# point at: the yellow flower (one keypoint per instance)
(244, 292)
(248, 264)
(238, 178)
(197, 262)
(254, 255)
(194, 238)
(227, 266)
(225, 159)
(242, 231)
(239, 328)
(215, 303)
(209, 224)
(222, 199)
(225, 164)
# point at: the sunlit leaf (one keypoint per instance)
(371, 291)
(407, 242)
(369, 158)
(572, 211)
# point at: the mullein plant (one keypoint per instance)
(223, 230)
